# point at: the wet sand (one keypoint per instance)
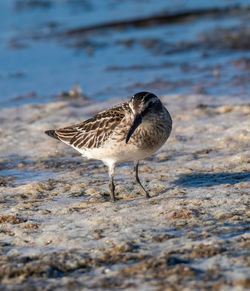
(58, 230)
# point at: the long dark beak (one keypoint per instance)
(137, 121)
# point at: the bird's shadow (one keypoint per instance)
(211, 179)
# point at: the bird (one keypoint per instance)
(128, 132)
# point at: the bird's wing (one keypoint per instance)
(93, 132)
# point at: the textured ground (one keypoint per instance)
(58, 230)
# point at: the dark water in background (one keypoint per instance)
(208, 55)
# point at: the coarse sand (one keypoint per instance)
(58, 230)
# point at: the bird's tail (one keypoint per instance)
(52, 133)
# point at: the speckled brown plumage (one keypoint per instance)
(93, 132)
(127, 132)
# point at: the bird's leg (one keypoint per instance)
(137, 180)
(111, 183)
(112, 189)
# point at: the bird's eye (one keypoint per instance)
(150, 104)
(147, 108)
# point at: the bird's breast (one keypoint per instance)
(151, 134)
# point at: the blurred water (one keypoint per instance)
(165, 59)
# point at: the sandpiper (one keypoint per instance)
(130, 131)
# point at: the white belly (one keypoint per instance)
(118, 153)
(146, 140)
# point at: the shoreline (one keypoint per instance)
(59, 230)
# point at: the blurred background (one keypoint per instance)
(114, 48)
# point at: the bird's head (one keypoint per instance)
(142, 104)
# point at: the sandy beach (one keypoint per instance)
(58, 230)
